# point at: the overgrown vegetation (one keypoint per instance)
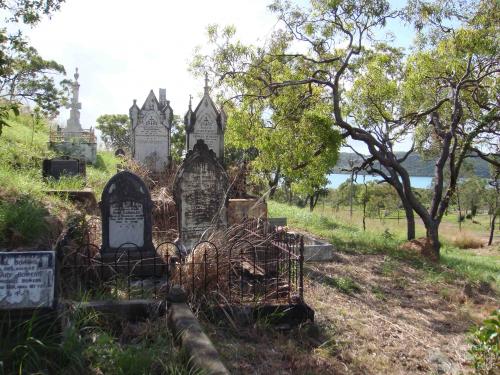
(90, 343)
(25, 206)
(485, 345)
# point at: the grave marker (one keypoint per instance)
(27, 280)
(126, 214)
(206, 123)
(200, 194)
(150, 133)
(63, 166)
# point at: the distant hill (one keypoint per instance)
(415, 165)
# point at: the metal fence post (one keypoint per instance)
(301, 268)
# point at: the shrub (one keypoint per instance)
(465, 241)
(485, 344)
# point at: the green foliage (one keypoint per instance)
(5, 110)
(22, 221)
(344, 284)
(115, 130)
(485, 344)
(28, 12)
(178, 139)
(36, 346)
(24, 74)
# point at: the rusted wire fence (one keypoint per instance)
(254, 264)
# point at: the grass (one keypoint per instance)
(91, 344)
(454, 263)
(465, 241)
(22, 191)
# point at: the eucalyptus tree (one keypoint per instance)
(24, 74)
(445, 100)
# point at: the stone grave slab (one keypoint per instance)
(200, 194)
(63, 166)
(27, 280)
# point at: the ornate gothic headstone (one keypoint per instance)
(206, 123)
(200, 193)
(126, 215)
(150, 133)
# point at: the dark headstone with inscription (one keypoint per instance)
(27, 280)
(63, 166)
(126, 214)
(200, 193)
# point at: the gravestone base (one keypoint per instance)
(80, 149)
(135, 263)
(240, 209)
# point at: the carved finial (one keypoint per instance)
(135, 101)
(190, 99)
(76, 74)
(206, 83)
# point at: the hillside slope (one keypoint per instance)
(415, 165)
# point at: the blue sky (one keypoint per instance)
(125, 48)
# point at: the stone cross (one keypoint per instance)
(73, 123)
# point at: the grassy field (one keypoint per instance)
(385, 237)
(378, 310)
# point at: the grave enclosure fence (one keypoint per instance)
(259, 266)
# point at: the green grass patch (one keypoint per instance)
(454, 264)
(22, 221)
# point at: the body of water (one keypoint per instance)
(336, 179)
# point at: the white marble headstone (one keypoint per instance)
(151, 126)
(206, 123)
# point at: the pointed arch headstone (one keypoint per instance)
(200, 194)
(150, 132)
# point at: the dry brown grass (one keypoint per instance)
(465, 240)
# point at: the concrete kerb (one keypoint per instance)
(190, 335)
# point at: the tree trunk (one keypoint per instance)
(410, 221)
(492, 229)
(431, 251)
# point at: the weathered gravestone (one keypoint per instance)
(150, 132)
(27, 280)
(126, 214)
(127, 223)
(200, 194)
(206, 123)
(63, 166)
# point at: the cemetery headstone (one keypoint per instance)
(120, 152)
(206, 123)
(126, 214)
(27, 280)
(150, 132)
(63, 166)
(200, 194)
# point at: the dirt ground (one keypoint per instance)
(374, 315)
